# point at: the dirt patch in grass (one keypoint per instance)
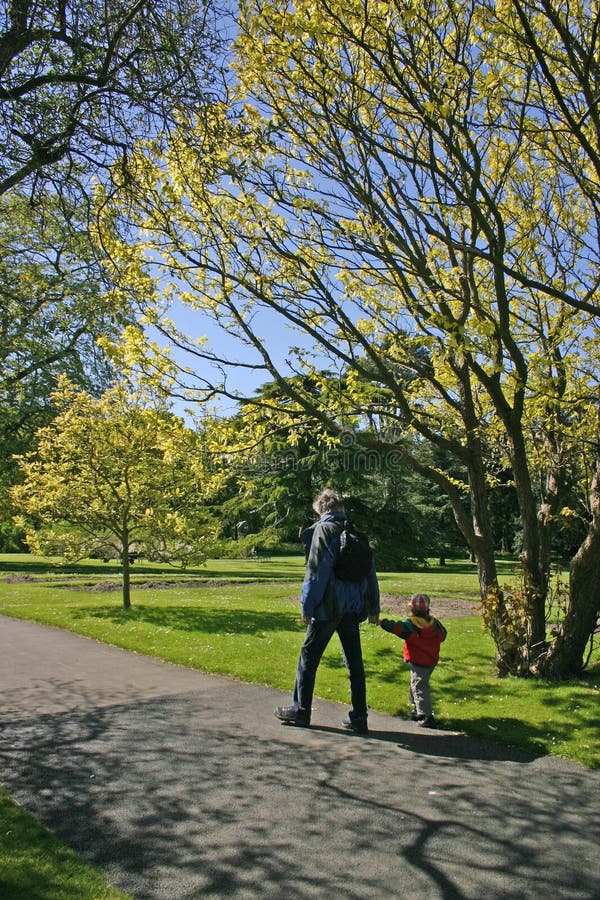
(102, 586)
(396, 605)
(161, 585)
(441, 607)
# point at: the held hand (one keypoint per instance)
(306, 620)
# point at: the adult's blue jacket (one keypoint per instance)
(324, 596)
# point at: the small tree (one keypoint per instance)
(110, 473)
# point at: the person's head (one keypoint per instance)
(419, 604)
(328, 502)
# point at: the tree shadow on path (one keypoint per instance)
(207, 795)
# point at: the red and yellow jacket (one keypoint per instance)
(422, 638)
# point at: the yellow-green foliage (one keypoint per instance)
(113, 473)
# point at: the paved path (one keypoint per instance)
(181, 785)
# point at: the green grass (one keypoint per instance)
(240, 619)
(34, 864)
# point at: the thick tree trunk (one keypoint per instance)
(565, 656)
(496, 612)
(534, 571)
(481, 538)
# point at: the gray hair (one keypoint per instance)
(328, 502)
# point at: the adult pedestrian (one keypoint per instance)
(331, 605)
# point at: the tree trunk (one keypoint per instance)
(498, 617)
(565, 656)
(535, 575)
(481, 540)
(126, 577)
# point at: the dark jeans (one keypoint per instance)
(318, 635)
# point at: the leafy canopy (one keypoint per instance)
(412, 191)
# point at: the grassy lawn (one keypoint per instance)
(240, 619)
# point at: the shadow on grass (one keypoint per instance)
(252, 570)
(513, 733)
(41, 567)
(269, 568)
(201, 619)
(387, 664)
(505, 566)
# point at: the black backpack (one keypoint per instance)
(355, 558)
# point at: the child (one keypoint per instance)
(422, 635)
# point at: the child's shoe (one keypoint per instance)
(426, 721)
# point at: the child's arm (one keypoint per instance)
(400, 629)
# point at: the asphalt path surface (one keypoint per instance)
(181, 785)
